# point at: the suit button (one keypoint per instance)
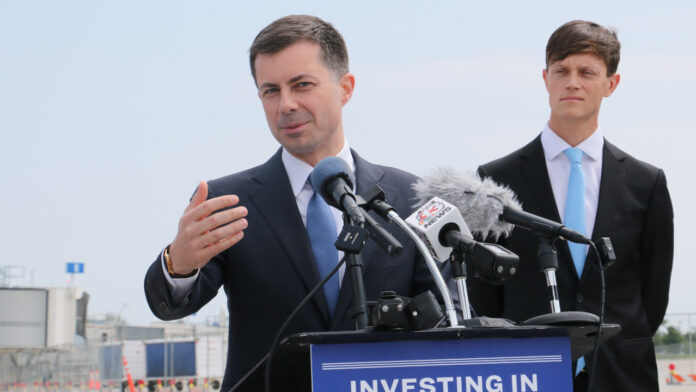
(579, 298)
(164, 306)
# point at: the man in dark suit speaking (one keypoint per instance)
(273, 240)
(571, 174)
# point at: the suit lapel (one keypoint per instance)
(366, 175)
(609, 195)
(536, 173)
(274, 199)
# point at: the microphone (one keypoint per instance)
(334, 180)
(542, 226)
(375, 199)
(432, 221)
(442, 228)
(489, 208)
(382, 237)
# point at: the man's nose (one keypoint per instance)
(573, 80)
(288, 103)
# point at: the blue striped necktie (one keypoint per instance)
(575, 217)
(321, 229)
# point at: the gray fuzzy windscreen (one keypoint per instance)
(480, 201)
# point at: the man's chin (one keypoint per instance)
(574, 115)
(297, 146)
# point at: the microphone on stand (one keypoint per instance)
(442, 228)
(489, 208)
(335, 180)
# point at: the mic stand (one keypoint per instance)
(350, 236)
(375, 199)
(359, 311)
(458, 260)
(434, 271)
(548, 263)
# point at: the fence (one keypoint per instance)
(675, 349)
(39, 369)
(99, 365)
(82, 367)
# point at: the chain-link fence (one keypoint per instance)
(675, 337)
(38, 369)
(675, 349)
(190, 358)
(186, 359)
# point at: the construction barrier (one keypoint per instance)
(677, 379)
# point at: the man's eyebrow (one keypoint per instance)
(292, 80)
(300, 77)
(268, 85)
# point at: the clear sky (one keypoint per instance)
(111, 112)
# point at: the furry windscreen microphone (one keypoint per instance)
(480, 201)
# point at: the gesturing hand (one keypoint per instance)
(202, 234)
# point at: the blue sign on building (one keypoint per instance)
(75, 268)
(474, 365)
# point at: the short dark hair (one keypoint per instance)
(580, 36)
(295, 28)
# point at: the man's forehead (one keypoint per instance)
(300, 58)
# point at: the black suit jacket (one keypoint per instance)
(272, 268)
(635, 211)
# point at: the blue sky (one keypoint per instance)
(111, 112)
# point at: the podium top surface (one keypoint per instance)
(576, 333)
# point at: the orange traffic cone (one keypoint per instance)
(674, 378)
(131, 387)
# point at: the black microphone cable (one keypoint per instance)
(268, 357)
(276, 340)
(601, 315)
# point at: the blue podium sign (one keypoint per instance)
(473, 365)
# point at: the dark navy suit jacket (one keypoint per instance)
(272, 268)
(635, 211)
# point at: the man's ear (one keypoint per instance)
(347, 84)
(613, 83)
(545, 75)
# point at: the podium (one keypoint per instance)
(518, 358)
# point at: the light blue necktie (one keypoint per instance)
(575, 216)
(321, 229)
(575, 206)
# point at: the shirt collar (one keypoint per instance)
(298, 170)
(553, 144)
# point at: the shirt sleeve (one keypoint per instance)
(181, 287)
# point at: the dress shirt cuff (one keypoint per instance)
(181, 287)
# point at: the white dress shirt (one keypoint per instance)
(558, 166)
(298, 172)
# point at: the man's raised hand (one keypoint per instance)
(202, 234)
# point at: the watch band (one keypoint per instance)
(170, 270)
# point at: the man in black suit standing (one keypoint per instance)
(262, 244)
(571, 174)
